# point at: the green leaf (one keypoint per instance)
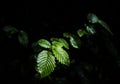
(44, 43)
(90, 29)
(23, 38)
(54, 39)
(57, 44)
(75, 42)
(92, 18)
(63, 41)
(45, 63)
(81, 32)
(60, 54)
(10, 29)
(105, 25)
(36, 47)
(67, 35)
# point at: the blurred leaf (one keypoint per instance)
(36, 47)
(10, 29)
(54, 39)
(45, 63)
(67, 35)
(65, 43)
(75, 42)
(90, 29)
(60, 54)
(44, 43)
(81, 32)
(105, 25)
(92, 18)
(23, 38)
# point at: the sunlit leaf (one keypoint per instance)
(45, 63)
(61, 55)
(44, 43)
(81, 32)
(63, 41)
(23, 38)
(105, 25)
(92, 18)
(57, 43)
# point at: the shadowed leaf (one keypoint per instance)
(81, 32)
(23, 38)
(92, 18)
(105, 25)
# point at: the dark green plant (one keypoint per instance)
(56, 49)
(22, 35)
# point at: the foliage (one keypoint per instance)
(22, 35)
(45, 63)
(92, 18)
(51, 52)
(23, 38)
(57, 48)
(46, 58)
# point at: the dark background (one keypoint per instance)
(36, 14)
(50, 19)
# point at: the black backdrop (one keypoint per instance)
(34, 13)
